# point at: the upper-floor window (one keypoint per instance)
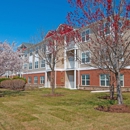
(25, 66)
(25, 54)
(42, 63)
(36, 50)
(30, 65)
(85, 57)
(85, 35)
(36, 64)
(85, 79)
(104, 29)
(31, 50)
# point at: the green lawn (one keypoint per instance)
(30, 110)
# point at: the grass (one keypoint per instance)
(30, 110)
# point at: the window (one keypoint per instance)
(42, 79)
(104, 29)
(104, 79)
(35, 80)
(86, 79)
(30, 65)
(42, 63)
(25, 66)
(85, 57)
(29, 80)
(85, 35)
(36, 50)
(25, 54)
(36, 64)
(31, 52)
(107, 28)
(122, 79)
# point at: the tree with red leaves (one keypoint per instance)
(53, 51)
(109, 42)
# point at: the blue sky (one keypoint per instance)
(21, 19)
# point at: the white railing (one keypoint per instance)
(70, 65)
(70, 45)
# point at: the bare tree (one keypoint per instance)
(109, 42)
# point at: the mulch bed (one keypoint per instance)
(53, 95)
(107, 97)
(115, 109)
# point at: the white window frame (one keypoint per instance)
(85, 57)
(35, 80)
(102, 30)
(29, 80)
(104, 80)
(85, 79)
(42, 79)
(36, 64)
(30, 66)
(42, 63)
(122, 79)
(85, 35)
(25, 66)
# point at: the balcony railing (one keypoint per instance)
(70, 45)
(70, 65)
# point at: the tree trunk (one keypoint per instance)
(53, 81)
(112, 91)
(119, 93)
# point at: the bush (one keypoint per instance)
(2, 79)
(14, 84)
(7, 84)
(16, 77)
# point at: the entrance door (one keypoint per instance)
(71, 81)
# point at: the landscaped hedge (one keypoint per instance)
(14, 84)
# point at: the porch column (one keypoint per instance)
(46, 79)
(75, 78)
(65, 55)
(75, 62)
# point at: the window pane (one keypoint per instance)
(87, 77)
(88, 82)
(83, 33)
(83, 82)
(102, 76)
(83, 39)
(83, 77)
(102, 82)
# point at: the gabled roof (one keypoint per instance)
(50, 33)
(64, 28)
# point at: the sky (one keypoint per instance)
(22, 19)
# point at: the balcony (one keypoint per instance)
(70, 65)
(71, 45)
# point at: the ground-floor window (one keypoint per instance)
(104, 79)
(29, 80)
(42, 79)
(35, 79)
(85, 79)
(122, 79)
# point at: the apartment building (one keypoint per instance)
(70, 72)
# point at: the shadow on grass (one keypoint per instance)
(12, 93)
